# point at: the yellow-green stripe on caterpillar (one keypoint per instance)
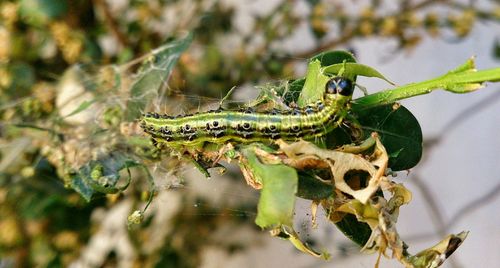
(244, 126)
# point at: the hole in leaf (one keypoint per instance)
(357, 179)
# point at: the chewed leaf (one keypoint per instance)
(364, 212)
(436, 255)
(353, 69)
(340, 163)
(277, 198)
(154, 74)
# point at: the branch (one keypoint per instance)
(463, 79)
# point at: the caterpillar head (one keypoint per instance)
(339, 86)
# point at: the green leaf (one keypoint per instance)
(312, 188)
(153, 75)
(314, 84)
(277, 197)
(102, 175)
(326, 58)
(399, 132)
(354, 69)
(333, 57)
(358, 232)
(80, 185)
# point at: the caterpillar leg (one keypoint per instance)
(203, 166)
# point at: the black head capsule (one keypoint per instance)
(339, 85)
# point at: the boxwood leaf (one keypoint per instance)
(399, 131)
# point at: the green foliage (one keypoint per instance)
(358, 232)
(311, 188)
(399, 131)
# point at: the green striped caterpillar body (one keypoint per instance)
(244, 126)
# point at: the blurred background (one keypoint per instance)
(57, 54)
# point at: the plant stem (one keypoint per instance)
(457, 82)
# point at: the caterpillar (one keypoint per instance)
(245, 125)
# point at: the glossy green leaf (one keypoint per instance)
(277, 197)
(354, 69)
(356, 231)
(333, 57)
(399, 131)
(153, 75)
(312, 188)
